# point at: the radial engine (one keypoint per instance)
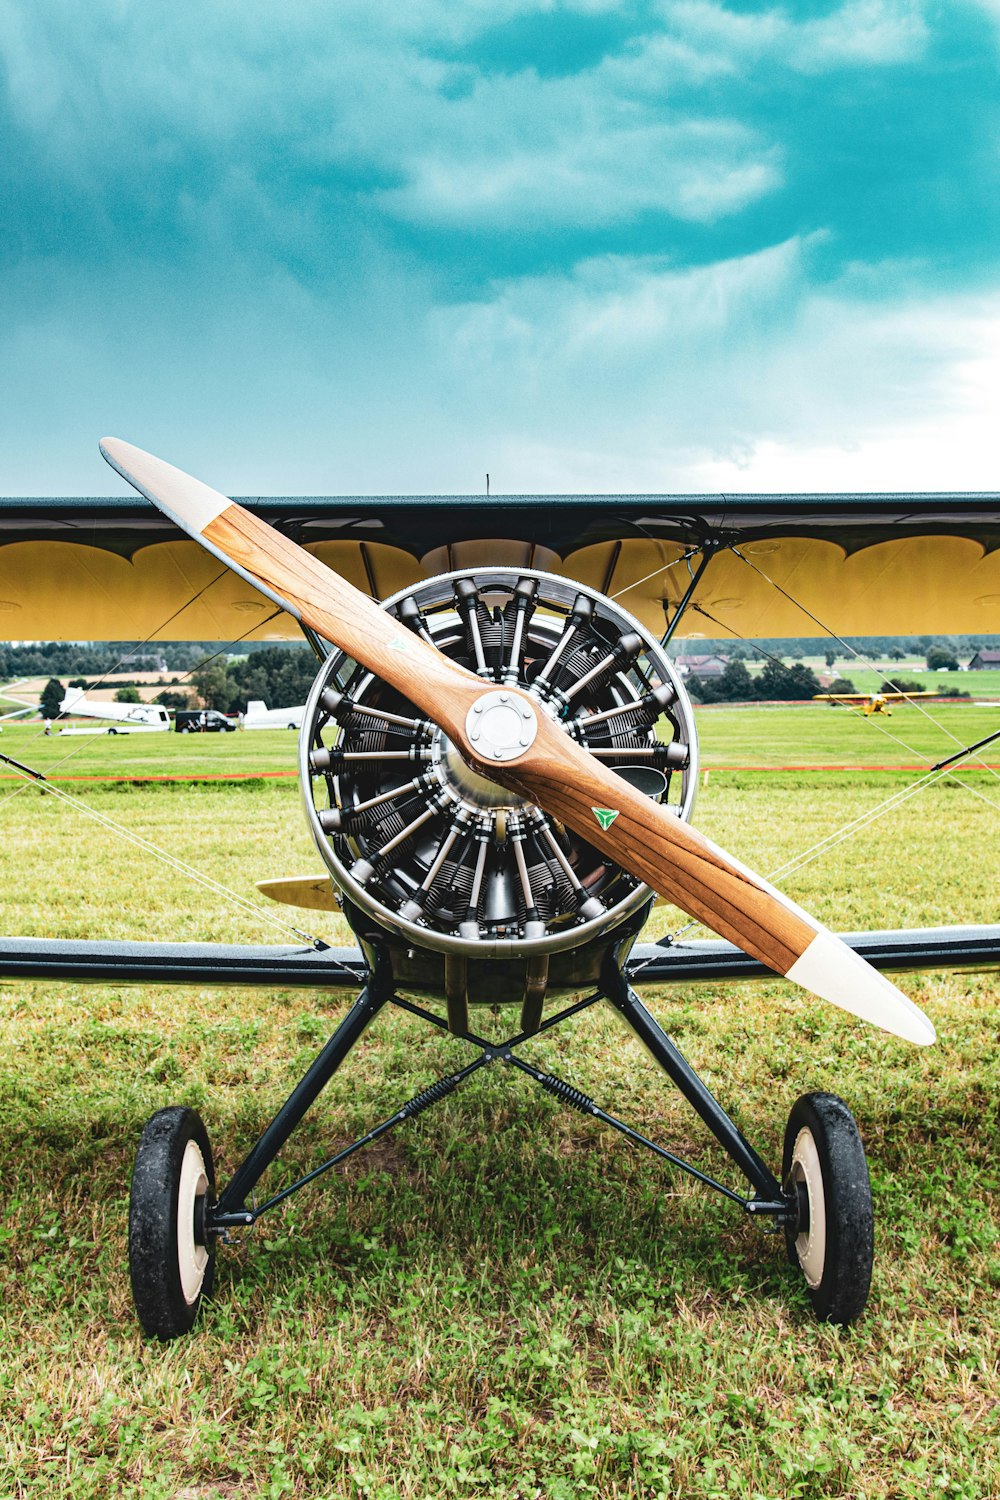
(476, 893)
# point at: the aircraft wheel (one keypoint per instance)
(171, 1264)
(833, 1241)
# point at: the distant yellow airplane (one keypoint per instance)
(869, 703)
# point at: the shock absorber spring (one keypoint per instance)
(567, 1094)
(432, 1095)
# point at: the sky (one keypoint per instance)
(359, 248)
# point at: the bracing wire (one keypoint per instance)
(172, 861)
(181, 867)
(110, 671)
(685, 557)
(864, 820)
(831, 840)
(965, 753)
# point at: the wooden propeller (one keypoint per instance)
(524, 750)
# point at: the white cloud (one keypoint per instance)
(620, 310)
(361, 105)
(630, 376)
(596, 174)
(291, 119)
(921, 413)
(860, 33)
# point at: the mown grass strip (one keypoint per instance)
(503, 1299)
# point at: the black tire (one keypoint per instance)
(171, 1267)
(833, 1243)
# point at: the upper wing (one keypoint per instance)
(107, 569)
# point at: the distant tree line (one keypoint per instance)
(279, 675)
(776, 682)
(941, 653)
(95, 659)
(735, 684)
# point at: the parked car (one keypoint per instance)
(202, 721)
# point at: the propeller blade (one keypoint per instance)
(312, 892)
(502, 734)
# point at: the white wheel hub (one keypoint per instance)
(192, 1258)
(806, 1171)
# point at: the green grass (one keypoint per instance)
(502, 1298)
(985, 684)
(871, 679)
(730, 735)
(832, 735)
(139, 756)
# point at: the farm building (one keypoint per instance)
(983, 661)
(701, 666)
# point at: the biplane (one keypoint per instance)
(870, 703)
(499, 764)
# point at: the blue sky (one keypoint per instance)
(668, 245)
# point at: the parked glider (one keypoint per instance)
(123, 718)
(259, 716)
(500, 765)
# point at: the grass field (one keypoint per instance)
(731, 735)
(824, 734)
(985, 684)
(871, 678)
(502, 1299)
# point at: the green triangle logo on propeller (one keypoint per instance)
(605, 815)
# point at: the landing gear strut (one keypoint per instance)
(176, 1221)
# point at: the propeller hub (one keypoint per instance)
(499, 730)
(501, 726)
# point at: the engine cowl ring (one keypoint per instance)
(435, 852)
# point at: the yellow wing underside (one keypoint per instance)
(926, 585)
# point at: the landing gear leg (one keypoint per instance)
(174, 1219)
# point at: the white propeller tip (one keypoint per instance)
(833, 971)
(193, 505)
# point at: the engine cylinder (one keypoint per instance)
(437, 854)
